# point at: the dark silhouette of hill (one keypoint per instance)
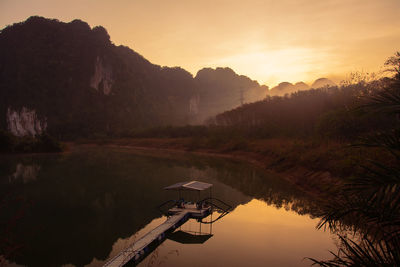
(70, 80)
(326, 111)
(222, 89)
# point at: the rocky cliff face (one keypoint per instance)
(102, 77)
(25, 122)
(194, 105)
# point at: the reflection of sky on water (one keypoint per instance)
(254, 234)
(90, 204)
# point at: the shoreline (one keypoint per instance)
(317, 184)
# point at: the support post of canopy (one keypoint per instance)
(211, 200)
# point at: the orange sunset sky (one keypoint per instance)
(269, 41)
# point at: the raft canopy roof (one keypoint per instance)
(191, 185)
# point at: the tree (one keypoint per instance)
(370, 204)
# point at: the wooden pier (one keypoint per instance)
(179, 214)
(140, 248)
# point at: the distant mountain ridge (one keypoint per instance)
(70, 80)
(287, 88)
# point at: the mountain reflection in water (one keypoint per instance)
(86, 205)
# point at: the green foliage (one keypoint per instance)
(394, 65)
(347, 124)
(171, 132)
(330, 112)
(326, 112)
(6, 141)
(370, 203)
(238, 143)
(366, 253)
(46, 143)
(25, 144)
(387, 101)
(28, 144)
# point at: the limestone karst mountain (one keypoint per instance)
(70, 80)
(322, 82)
(287, 88)
(301, 86)
(221, 89)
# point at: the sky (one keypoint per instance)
(270, 41)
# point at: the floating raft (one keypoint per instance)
(178, 215)
(140, 248)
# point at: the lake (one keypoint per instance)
(82, 207)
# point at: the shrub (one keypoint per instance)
(6, 142)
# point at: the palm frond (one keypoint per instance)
(389, 141)
(386, 100)
(365, 253)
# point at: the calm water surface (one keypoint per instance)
(82, 208)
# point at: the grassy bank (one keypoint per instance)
(42, 143)
(314, 165)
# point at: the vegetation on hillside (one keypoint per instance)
(221, 89)
(325, 112)
(83, 85)
(28, 144)
(50, 67)
(369, 204)
(318, 114)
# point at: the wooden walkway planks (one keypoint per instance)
(136, 250)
